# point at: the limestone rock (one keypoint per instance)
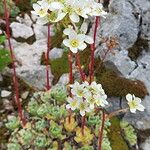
(5, 93)
(56, 53)
(21, 30)
(146, 144)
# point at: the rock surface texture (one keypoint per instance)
(29, 56)
(129, 22)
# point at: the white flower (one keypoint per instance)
(73, 103)
(40, 10)
(98, 10)
(100, 100)
(84, 107)
(81, 9)
(54, 16)
(95, 88)
(75, 41)
(134, 103)
(91, 100)
(77, 89)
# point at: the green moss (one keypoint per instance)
(59, 66)
(136, 50)
(116, 140)
(115, 85)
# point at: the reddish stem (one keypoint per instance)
(92, 47)
(83, 124)
(47, 58)
(70, 57)
(100, 138)
(15, 80)
(83, 79)
(79, 67)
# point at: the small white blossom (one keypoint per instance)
(84, 107)
(75, 41)
(73, 9)
(88, 97)
(40, 10)
(101, 100)
(134, 103)
(73, 103)
(77, 89)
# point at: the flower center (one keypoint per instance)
(74, 103)
(82, 106)
(74, 43)
(133, 104)
(42, 12)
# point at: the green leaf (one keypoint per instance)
(4, 58)
(2, 39)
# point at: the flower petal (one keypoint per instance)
(129, 97)
(66, 42)
(82, 46)
(74, 17)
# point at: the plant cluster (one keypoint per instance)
(49, 125)
(14, 10)
(129, 133)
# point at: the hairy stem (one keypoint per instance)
(82, 74)
(83, 79)
(92, 47)
(100, 138)
(15, 80)
(70, 57)
(83, 124)
(47, 58)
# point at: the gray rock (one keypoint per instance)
(56, 53)
(122, 62)
(25, 20)
(21, 30)
(35, 76)
(25, 95)
(144, 6)
(64, 79)
(5, 93)
(146, 144)
(145, 34)
(142, 119)
(7, 104)
(41, 31)
(120, 23)
(30, 68)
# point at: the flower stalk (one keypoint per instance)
(70, 57)
(92, 47)
(47, 58)
(15, 80)
(82, 74)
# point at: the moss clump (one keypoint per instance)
(116, 140)
(59, 66)
(115, 85)
(136, 50)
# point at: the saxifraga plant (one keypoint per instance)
(50, 125)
